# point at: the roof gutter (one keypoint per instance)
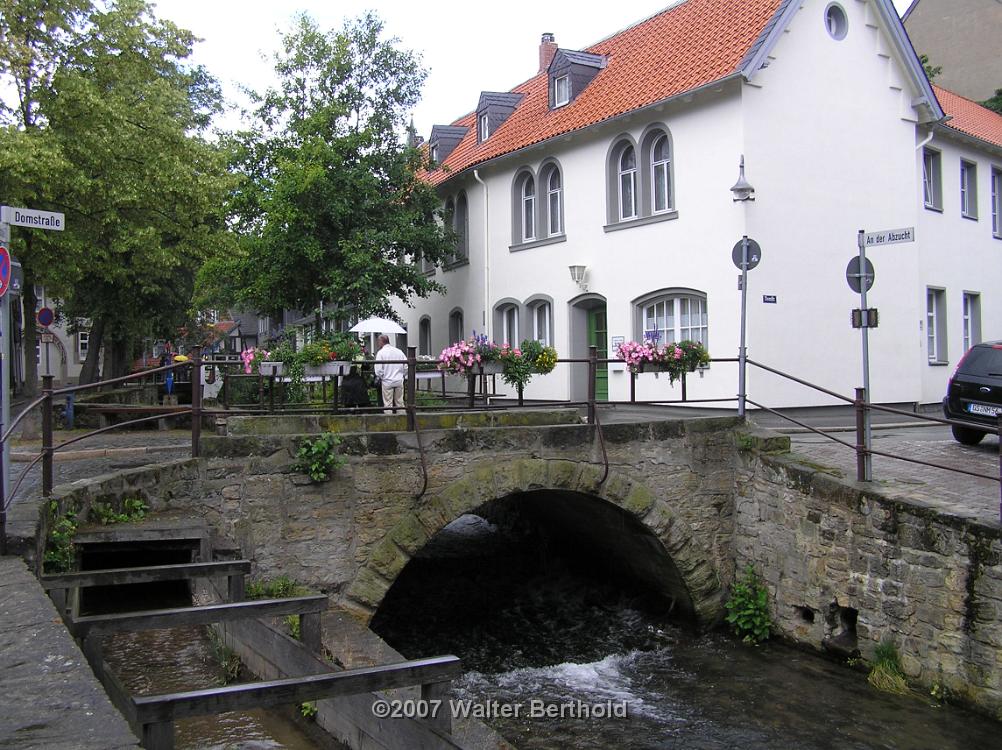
(587, 128)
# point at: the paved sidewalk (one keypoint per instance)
(51, 699)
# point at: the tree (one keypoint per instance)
(330, 207)
(123, 121)
(931, 71)
(995, 103)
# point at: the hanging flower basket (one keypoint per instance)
(675, 359)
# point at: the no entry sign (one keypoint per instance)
(5, 270)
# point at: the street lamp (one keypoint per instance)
(742, 189)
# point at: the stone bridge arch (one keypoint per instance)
(671, 547)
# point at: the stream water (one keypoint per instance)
(549, 635)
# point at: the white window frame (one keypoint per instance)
(627, 174)
(509, 325)
(83, 344)
(457, 331)
(433, 153)
(968, 189)
(485, 127)
(667, 313)
(541, 319)
(935, 325)
(528, 193)
(558, 99)
(661, 174)
(996, 174)
(554, 203)
(972, 319)
(932, 185)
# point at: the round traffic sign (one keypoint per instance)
(853, 276)
(45, 316)
(754, 253)
(5, 270)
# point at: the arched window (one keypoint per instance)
(554, 202)
(528, 209)
(462, 227)
(424, 336)
(672, 316)
(506, 323)
(457, 331)
(628, 183)
(541, 314)
(661, 174)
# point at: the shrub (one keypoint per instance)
(885, 673)
(318, 457)
(748, 608)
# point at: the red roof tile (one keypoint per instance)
(678, 50)
(970, 117)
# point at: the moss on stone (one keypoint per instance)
(368, 588)
(387, 559)
(640, 500)
(409, 535)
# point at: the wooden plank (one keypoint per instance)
(212, 613)
(292, 690)
(438, 691)
(159, 736)
(149, 574)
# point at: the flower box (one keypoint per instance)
(328, 368)
(492, 368)
(271, 368)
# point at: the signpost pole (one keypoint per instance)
(744, 313)
(867, 433)
(5, 347)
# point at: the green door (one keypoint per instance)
(598, 330)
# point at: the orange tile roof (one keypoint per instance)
(678, 50)
(970, 117)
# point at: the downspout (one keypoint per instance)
(487, 321)
(927, 139)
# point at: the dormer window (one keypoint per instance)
(570, 73)
(433, 153)
(494, 108)
(443, 141)
(561, 91)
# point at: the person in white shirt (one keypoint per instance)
(391, 376)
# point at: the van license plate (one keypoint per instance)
(988, 411)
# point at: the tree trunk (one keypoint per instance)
(89, 372)
(30, 334)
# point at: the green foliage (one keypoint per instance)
(885, 672)
(279, 588)
(429, 398)
(226, 659)
(329, 205)
(133, 509)
(995, 102)
(319, 457)
(308, 710)
(60, 553)
(931, 71)
(748, 608)
(292, 623)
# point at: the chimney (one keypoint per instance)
(547, 49)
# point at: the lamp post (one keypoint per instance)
(743, 192)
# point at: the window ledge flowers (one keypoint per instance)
(517, 364)
(675, 359)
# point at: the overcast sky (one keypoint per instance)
(467, 47)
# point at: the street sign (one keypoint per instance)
(48, 338)
(754, 254)
(854, 277)
(867, 318)
(29, 217)
(769, 299)
(45, 316)
(889, 237)
(5, 270)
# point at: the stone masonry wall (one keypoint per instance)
(927, 582)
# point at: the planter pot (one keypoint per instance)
(492, 368)
(271, 368)
(328, 368)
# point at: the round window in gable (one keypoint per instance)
(836, 22)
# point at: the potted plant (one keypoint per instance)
(330, 356)
(475, 355)
(675, 359)
(257, 360)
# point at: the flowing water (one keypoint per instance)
(539, 635)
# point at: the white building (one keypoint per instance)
(620, 158)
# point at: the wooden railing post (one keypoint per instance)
(311, 632)
(860, 435)
(592, 370)
(410, 391)
(235, 585)
(271, 392)
(226, 389)
(471, 386)
(196, 399)
(633, 385)
(47, 435)
(439, 692)
(158, 735)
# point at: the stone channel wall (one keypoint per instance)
(848, 569)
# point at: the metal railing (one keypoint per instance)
(477, 386)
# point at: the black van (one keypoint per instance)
(975, 392)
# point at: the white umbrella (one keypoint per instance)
(377, 325)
